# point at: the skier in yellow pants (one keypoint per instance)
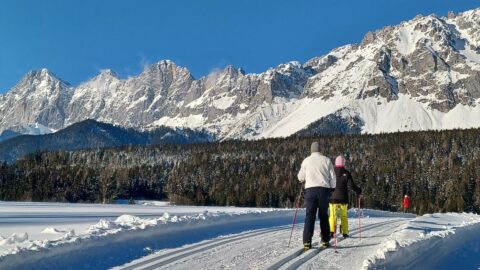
(334, 208)
(339, 197)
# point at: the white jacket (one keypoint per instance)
(317, 171)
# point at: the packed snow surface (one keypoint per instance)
(156, 235)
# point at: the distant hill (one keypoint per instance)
(8, 134)
(92, 134)
(341, 122)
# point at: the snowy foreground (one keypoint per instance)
(160, 236)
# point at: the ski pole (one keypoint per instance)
(295, 216)
(359, 218)
(335, 229)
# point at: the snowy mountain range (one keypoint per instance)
(422, 74)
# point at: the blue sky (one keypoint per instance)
(75, 39)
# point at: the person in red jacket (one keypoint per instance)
(406, 203)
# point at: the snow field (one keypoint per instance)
(159, 236)
(119, 239)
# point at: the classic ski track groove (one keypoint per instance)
(386, 229)
(198, 248)
(312, 253)
(369, 228)
(299, 252)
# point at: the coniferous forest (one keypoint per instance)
(439, 169)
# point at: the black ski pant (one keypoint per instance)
(316, 199)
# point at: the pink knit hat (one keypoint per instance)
(340, 161)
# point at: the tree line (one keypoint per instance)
(438, 169)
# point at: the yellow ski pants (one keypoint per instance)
(334, 209)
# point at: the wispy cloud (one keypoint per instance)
(217, 68)
(144, 62)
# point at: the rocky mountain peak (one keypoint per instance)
(42, 75)
(164, 73)
(166, 67)
(105, 81)
(232, 72)
(108, 73)
(451, 15)
(468, 24)
(290, 68)
(106, 76)
(40, 82)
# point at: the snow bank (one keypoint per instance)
(367, 213)
(109, 243)
(143, 202)
(14, 239)
(52, 231)
(155, 203)
(420, 243)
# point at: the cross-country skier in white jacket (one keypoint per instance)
(318, 173)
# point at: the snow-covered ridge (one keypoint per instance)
(426, 69)
(18, 242)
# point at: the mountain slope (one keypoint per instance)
(8, 134)
(418, 75)
(92, 134)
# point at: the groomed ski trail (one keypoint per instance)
(267, 249)
(308, 258)
(158, 260)
(353, 251)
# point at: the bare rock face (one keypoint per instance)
(40, 97)
(433, 61)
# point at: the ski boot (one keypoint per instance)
(307, 246)
(324, 244)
